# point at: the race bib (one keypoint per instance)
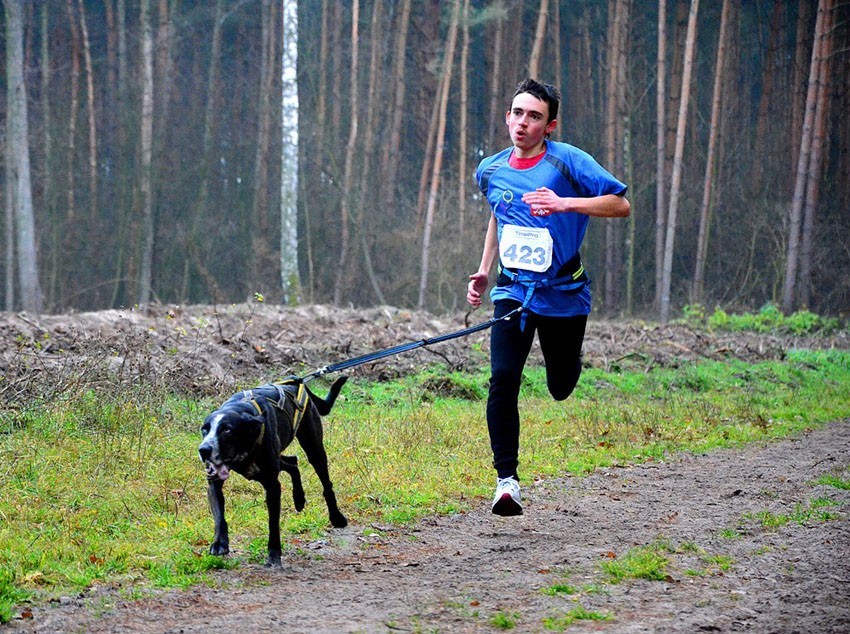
(527, 248)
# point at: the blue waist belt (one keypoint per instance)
(571, 279)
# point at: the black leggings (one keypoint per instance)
(560, 341)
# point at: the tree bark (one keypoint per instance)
(19, 183)
(463, 130)
(146, 172)
(372, 107)
(261, 254)
(539, 35)
(389, 163)
(448, 64)
(676, 178)
(708, 182)
(496, 108)
(795, 219)
(91, 112)
(816, 161)
(190, 236)
(660, 150)
(71, 212)
(350, 151)
(289, 277)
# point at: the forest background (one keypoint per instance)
(151, 164)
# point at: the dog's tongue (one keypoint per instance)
(220, 471)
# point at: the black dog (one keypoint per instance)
(248, 435)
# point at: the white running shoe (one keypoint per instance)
(508, 500)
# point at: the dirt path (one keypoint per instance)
(453, 574)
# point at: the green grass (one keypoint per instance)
(816, 510)
(99, 489)
(642, 562)
(577, 613)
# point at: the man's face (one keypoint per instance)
(528, 123)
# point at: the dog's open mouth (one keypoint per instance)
(221, 471)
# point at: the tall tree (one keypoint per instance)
(92, 112)
(816, 161)
(708, 180)
(350, 151)
(398, 92)
(660, 149)
(289, 277)
(539, 35)
(261, 251)
(18, 181)
(792, 257)
(676, 178)
(617, 30)
(146, 173)
(445, 84)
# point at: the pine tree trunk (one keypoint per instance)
(289, 173)
(191, 238)
(708, 182)
(18, 182)
(539, 35)
(816, 161)
(676, 178)
(795, 219)
(389, 162)
(146, 171)
(91, 111)
(448, 64)
(660, 150)
(350, 151)
(362, 217)
(463, 130)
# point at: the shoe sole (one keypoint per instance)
(506, 506)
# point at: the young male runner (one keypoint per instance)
(541, 194)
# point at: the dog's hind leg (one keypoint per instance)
(310, 438)
(290, 465)
(215, 496)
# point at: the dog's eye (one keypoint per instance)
(205, 429)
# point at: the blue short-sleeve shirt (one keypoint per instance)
(567, 171)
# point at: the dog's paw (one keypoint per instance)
(273, 560)
(338, 520)
(220, 549)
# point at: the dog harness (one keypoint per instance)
(289, 388)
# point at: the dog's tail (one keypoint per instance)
(324, 405)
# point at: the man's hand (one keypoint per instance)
(475, 289)
(543, 201)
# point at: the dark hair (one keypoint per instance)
(543, 92)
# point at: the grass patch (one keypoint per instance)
(577, 613)
(834, 481)
(643, 562)
(101, 489)
(818, 510)
(504, 620)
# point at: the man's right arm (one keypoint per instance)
(480, 280)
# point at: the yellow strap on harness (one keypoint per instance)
(300, 402)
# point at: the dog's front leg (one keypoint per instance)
(215, 496)
(272, 487)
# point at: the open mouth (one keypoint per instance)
(221, 471)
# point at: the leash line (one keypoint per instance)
(413, 345)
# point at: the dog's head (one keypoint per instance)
(231, 434)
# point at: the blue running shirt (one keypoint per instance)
(567, 171)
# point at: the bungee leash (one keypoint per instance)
(380, 354)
